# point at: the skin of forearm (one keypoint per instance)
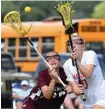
(74, 88)
(84, 71)
(15, 96)
(50, 89)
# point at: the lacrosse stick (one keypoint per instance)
(12, 19)
(65, 11)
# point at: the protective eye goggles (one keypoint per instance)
(77, 41)
(55, 57)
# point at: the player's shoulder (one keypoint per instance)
(89, 53)
(43, 72)
(67, 62)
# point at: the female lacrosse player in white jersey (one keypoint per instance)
(90, 73)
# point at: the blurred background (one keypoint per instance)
(44, 9)
(20, 61)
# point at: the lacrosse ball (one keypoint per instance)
(27, 9)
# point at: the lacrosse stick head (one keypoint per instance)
(12, 19)
(65, 10)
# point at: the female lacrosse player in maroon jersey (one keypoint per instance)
(49, 93)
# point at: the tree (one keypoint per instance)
(99, 11)
(6, 7)
(40, 9)
(44, 9)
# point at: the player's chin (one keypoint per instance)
(54, 66)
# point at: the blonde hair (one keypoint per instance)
(75, 35)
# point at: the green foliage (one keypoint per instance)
(6, 7)
(40, 9)
(83, 9)
(99, 11)
(44, 9)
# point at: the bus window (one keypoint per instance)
(48, 36)
(11, 46)
(2, 44)
(23, 48)
(33, 53)
(47, 44)
(98, 47)
(7, 62)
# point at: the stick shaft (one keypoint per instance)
(44, 60)
(74, 62)
(71, 47)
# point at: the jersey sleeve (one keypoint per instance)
(91, 58)
(68, 73)
(42, 79)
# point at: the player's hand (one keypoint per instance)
(53, 73)
(73, 54)
(80, 89)
(68, 89)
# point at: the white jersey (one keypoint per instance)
(96, 83)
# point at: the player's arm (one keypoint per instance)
(15, 96)
(90, 62)
(78, 89)
(86, 70)
(48, 90)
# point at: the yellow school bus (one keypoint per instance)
(93, 32)
(47, 36)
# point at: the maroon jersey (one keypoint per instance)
(36, 99)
